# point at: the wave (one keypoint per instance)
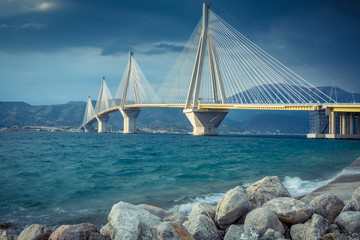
(295, 185)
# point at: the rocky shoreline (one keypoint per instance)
(265, 210)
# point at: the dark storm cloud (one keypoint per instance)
(322, 34)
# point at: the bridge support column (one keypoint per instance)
(102, 120)
(130, 116)
(88, 128)
(332, 123)
(205, 122)
(351, 124)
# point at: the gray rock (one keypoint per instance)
(349, 221)
(233, 232)
(233, 205)
(250, 234)
(264, 190)
(355, 199)
(165, 215)
(327, 205)
(333, 228)
(8, 234)
(108, 231)
(270, 234)
(201, 227)
(297, 231)
(290, 210)
(172, 231)
(74, 232)
(335, 236)
(132, 222)
(313, 229)
(35, 232)
(348, 207)
(204, 209)
(97, 236)
(262, 219)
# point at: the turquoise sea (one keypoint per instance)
(65, 178)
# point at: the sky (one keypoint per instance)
(56, 51)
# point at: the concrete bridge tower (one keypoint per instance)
(205, 122)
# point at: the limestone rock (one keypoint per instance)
(250, 234)
(108, 231)
(233, 205)
(201, 227)
(297, 231)
(204, 209)
(327, 205)
(132, 222)
(233, 232)
(348, 207)
(74, 232)
(349, 221)
(313, 229)
(334, 236)
(262, 219)
(172, 231)
(270, 234)
(290, 210)
(97, 236)
(164, 215)
(355, 199)
(264, 190)
(8, 234)
(35, 232)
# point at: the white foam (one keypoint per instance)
(297, 187)
(211, 199)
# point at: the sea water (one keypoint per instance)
(66, 178)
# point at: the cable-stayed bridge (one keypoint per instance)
(220, 69)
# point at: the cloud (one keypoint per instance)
(33, 25)
(16, 7)
(45, 6)
(4, 26)
(164, 48)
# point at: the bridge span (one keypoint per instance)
(220, 70)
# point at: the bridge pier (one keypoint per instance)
(345, 126)
(130, 116)
(102, 120)
(88, 128)
(205, 122)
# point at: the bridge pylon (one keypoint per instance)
(130, 115)
(205, 121)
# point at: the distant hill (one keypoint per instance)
(21, 114)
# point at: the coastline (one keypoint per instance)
(343, 185)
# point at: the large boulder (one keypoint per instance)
(233, 232)
(270, 234)
(74, 232)
(8, 234)
(264, 190)
(132, 222)
(327, 205)
(108, 231)
(164, 215)
(172, 231)
(237, 232)
(35, 232)
(313, 229)
(290, 210)
(349, 221)
(233, 205)
(97, 236)
(262, 219)
(355, 199)
(204, 209)
(201, 227)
